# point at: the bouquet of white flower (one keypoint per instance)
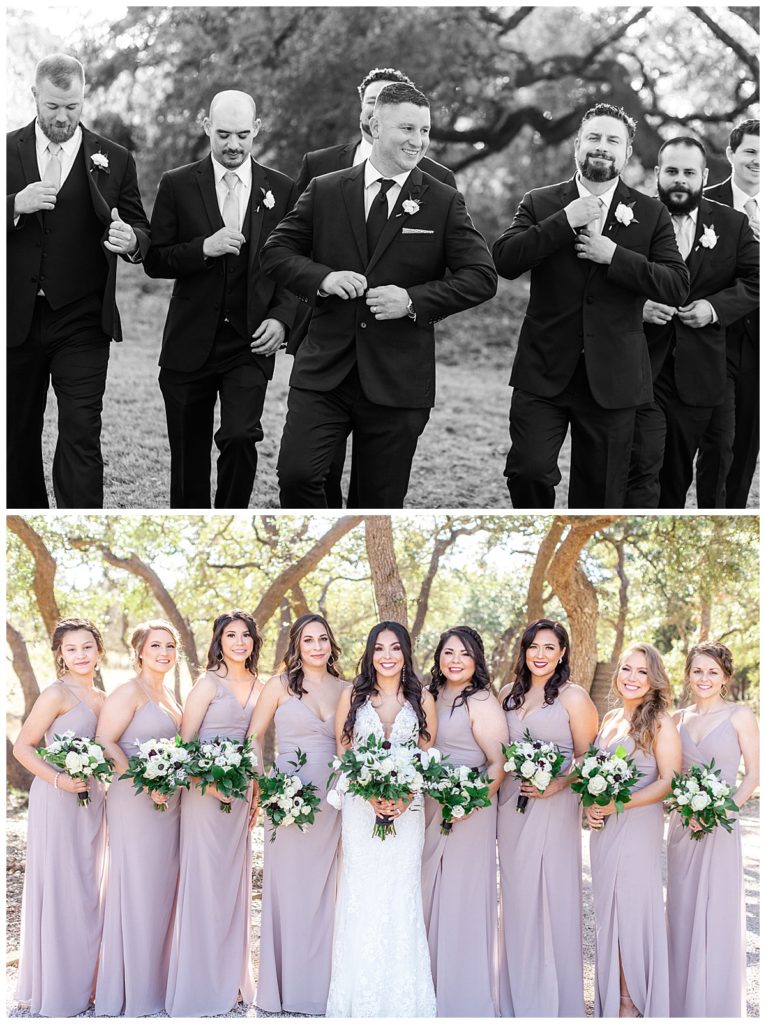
(80, 757)
(229, 765)
(603, 778)
(377, 771)
(159, 767)
(533, 761)
(457, 788)
(701, 794)
(286, 800)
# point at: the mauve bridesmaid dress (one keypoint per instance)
(62, 906)
(210, 955)
(706, 903)
(626, 869)
(540, 854)
(459, 881)
(300, 878)
(142, 876)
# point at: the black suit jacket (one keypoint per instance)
(185, 213)
(336, 158)
(576, 305)
(728, 276)
(116, 187)
(326, 231)
(748, 328)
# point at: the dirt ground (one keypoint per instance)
(16, 839)
(468, 428)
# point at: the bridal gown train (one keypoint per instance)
(380, 964)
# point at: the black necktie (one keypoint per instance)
(378, 215)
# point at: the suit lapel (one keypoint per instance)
(92, 144)
(621, 195)
(346, 155)
(414, 188)
(352, 190)
(696, 258)
(206, 183)
(27, 145)
(258, 190)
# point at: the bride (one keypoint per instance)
(380, 960)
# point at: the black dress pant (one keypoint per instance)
(601, 442)
(743, 372)
(190, 399)
(385, 439)
(646, 457)
(68, 348)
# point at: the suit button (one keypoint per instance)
(41, 278)
(589, 299)
(363, 325)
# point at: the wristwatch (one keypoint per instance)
(410, 310)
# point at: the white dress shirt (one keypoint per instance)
(739, 198)
(362, 151)
(694, 215)
(605, 197)
(69, 151)
(371, 187)
(245, 174)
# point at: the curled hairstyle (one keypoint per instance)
(481, 679)
(610, 110)
(720, 654)
(365, 684)
(400, 93)
(382, 75)
(750, 127)
(645, 723)
(140, 633)
(293, 664)
(215, 650)
(522, 677)
(59, 69)
(64, 626)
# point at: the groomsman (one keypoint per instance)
(367, 363)
(226, 318)
(335, 158)
(742, 191)
(687, 343)
(596, 248)
(73, 206)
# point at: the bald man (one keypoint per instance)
(226, 319)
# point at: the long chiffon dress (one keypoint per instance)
(141, 884)
(541, 958)
(210, 954)
(706, 911)
(300, 877)
(459, 880)
(62, 905)
(626, 869)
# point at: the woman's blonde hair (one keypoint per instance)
(645, 723)
(140, 633)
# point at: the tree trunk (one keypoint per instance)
(268, 747)
(22, 666)
(16, 774)
(535, 608)
(390, 595)
(578, 595)
(44, 574)
(706, 612)
(622, 614)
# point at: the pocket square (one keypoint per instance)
(417, 231)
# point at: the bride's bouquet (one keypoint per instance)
(603, 778)
(80, 757)
(457, 788)
(229, 765)
(286, 800)
(160, 766)
(701, 794)
(533, 761)
(377, 771)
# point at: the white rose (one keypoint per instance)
(541, 779)
(458, 812)
(96, 753)
(464, 773)
(288, 819)
(692, 787)
(596, 785)
(682, 799)
(700, 801)
(235, 759)
(72, 761)
(86, 770)
(334, 799)
(528, 769)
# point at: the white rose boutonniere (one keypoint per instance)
(411, 206)
(708, 238)
(268, 198)
(100, 162)
(624, 214)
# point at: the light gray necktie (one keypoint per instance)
(682, 223)
(231, 203)
(751, 209)
(52, 175)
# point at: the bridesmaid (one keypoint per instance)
(625, 849)
(706, 906)
(459, 871)
(541, 959)
(210, 955)
(300, 868)
(61, 910)
(143, 844)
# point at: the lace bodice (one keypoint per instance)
(404, 731)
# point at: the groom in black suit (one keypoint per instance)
(73, 206)
(596, 249)
(226, 318)
(336, 158)
(368, 248)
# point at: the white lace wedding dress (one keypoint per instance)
(380, 961)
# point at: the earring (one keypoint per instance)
(330, 661)
(724, 690)
(219, 657)
(561, 659)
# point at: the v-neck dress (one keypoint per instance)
(62, 905)
(706, 904)
(300, 877)
(141, 884)
(210, 955)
